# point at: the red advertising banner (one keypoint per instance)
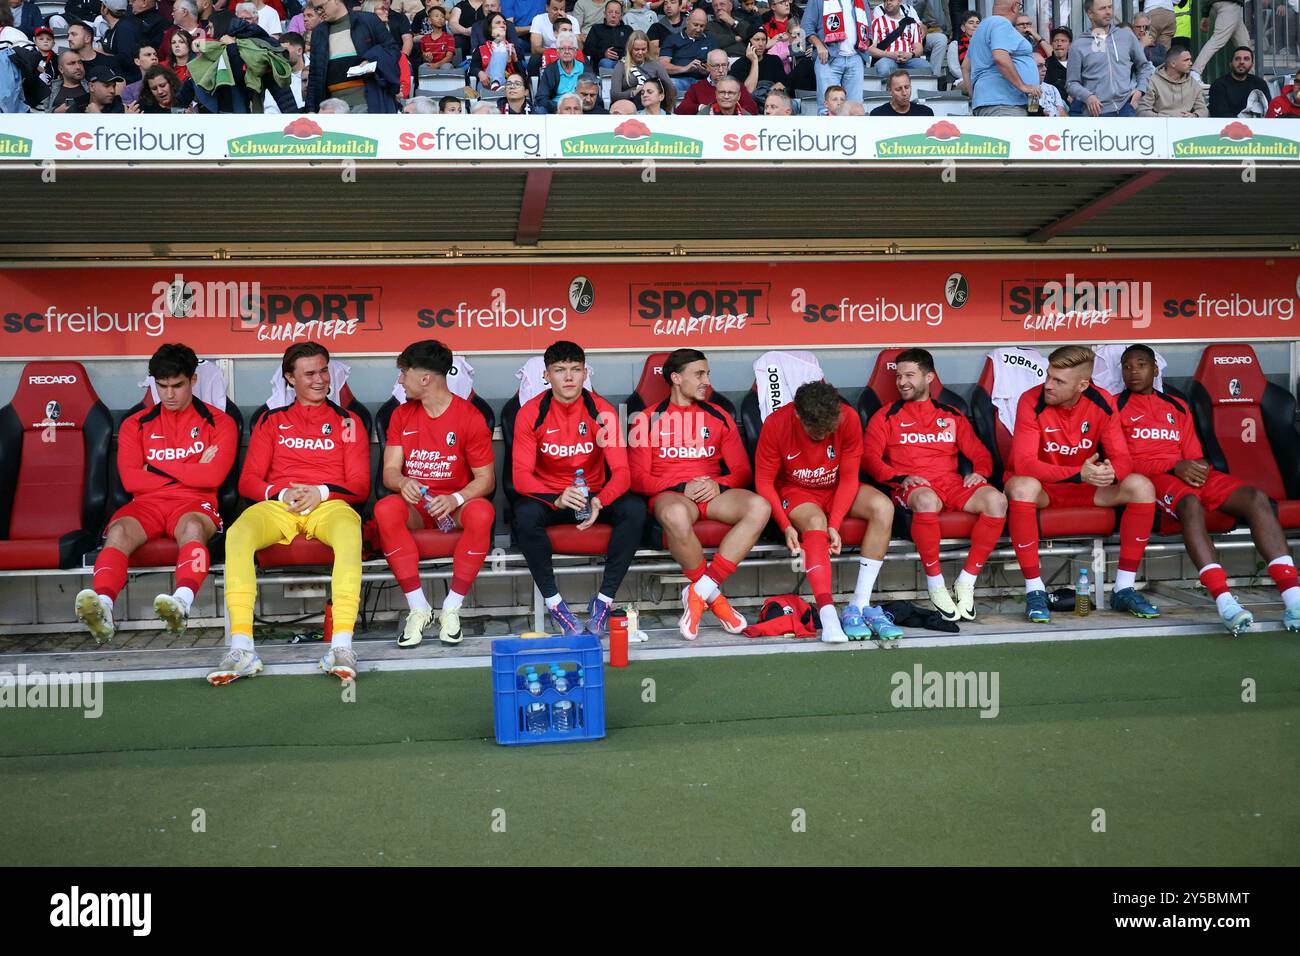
(362, 309)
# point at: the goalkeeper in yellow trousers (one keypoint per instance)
(307, 464)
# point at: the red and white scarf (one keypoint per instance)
(833, 29)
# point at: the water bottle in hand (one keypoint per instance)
(1083, 594)
(445, 523)
(583, 513)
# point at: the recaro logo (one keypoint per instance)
(51, 380)
(1233, 360)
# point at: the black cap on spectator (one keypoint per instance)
(103, 74)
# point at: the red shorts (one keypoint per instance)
(159, 514)
(1170, 489)
(792, 496)
(1070, 494)
(702, 505)
(951, 490)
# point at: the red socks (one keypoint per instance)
(983, 539)
(110, 572)
(1283, 575)
(720, 569)
(1134, 532)
(192, 563)
(694, 574)
(398, 543)
(925, 534)
(1215, 579)
(1022, 522)
(817, 562)
(476, 517)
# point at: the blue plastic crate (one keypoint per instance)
(510, 698)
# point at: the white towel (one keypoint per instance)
(1015, 371)
(460, 379)
(779, 375)
(210, 390)
(282, 394)
(1106, 371)
(531, 383)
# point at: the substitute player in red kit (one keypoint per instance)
(1069, 450)
(687, 455)
(437, 443)
(307, 464)
(564, 430)
(806, 467)
(1162, 440)
(172, 458)
(912, 448)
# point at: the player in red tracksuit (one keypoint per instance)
(806, 467)
(172, 458)
(437, 443)
(564, 430)
(307, 464)
(1069, 450)
(912, 447)
(686, 454)
(1162, 440)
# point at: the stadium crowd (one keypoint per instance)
(681, 462)
(727, 57)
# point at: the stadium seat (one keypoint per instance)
(211, 389)
(993, 431)
(54, 441)
(1247, 425)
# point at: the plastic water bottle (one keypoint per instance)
(1083, 594)
(564, 717)
(583, 513)
(558, 680)
(527, 677)
(445, 523)
(582, 676)
(535, 717)
(534, 684)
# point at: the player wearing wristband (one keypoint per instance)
(806, 467)
(912, 448)
(437, 442)
(306, 465)
(172, 458)
(1162, 440)
(1069, 450)
(687, 455)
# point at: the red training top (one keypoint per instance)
(553, 440)
(158, 451)
(787, 455)
(674, 444)
(441, 451)
(1052, 443)
(922, 439)
(311, 445)
(1159, 432)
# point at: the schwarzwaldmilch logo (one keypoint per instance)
(943, 140)
(15, 147)
(303, 137)
(582, 294)
(632, 138)
(956, 290)
(1236, 140)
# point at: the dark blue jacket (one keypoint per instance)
(548, 83)
(374, 42)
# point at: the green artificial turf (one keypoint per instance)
(1152, 731)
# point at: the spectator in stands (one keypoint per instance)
(303, 485)
(839, 31)
(589, 13)
(294, 48)
(70, 92)
(335, 106)
(727, 102)
(1172, 91)
(197, 446)
(27, 16)
(758, 67)
(103, 80)
(145, 57)
(462, 19)
(748, 13)
(897, 41)
(684, 55)
(516, 101)
(1069, 450)
(524, 13)
(497, 58)
(1286, 103)
(541, 31)
(1161, 15)
(1232, 93)
(701, 96)
(570, 104)
(485, 109)
(48, 67)
(1058, 62)
(437, 45)
(1025, 27)
(607, 41)
(999, 69)
(687, 456)
(451, 104)
(179, 50)
(215, 22)
(1187, 486)
(420, 19)
(655, 98)
(1109, 73)
(560, 77)
(1229, 25)
(185, 18)
(438, 459)
(635, 69)
(622, 108)
(81, 41)
(398, 25)
(835, 98)
(1050, 101)
(565, 428)
(958, 49)
(851, 108)
(344, 40)
(900, 98)
(152, 23)
(777, 103)
(672, 21)
(1155, 53)
(164, 92)
(936, 25)
(728, 33)
(640, 17)
(589, 92)
(124, 37)
(480, 34)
